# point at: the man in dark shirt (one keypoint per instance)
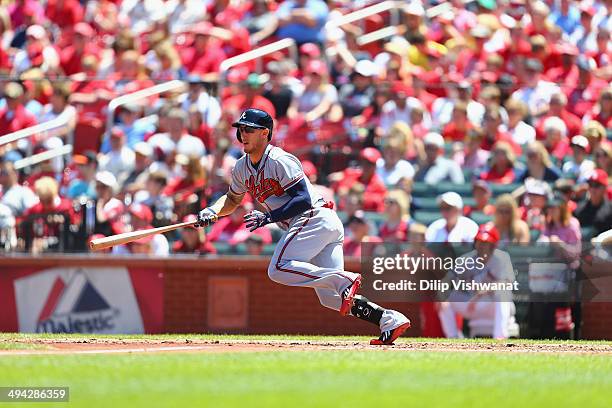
(596, 211)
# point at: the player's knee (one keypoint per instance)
(273, 273)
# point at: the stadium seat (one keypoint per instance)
(426, 217)
(587, 233)
(426, 203)
(499, 189)
(480, 218)
(421, 189)
(374, 218)
(269, 249)
(534, 234)
(463, 190)
(223, 248)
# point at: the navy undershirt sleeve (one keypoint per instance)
(300, 201)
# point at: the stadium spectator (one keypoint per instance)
(512, 229)
(132, 125)
(143, 155)
(143, 246)
(207, 105)
(566, 15)
(38, 52)
(366, 175)
(556, 142)
(13, 195)
(596, 210)
(472, 157)
(603, 158)
(103, 15)
(493, 131)
(359, 232)
(206, 53)
(250, 96)
(302, 20)
(358, 93)
(120, 159)
(459, 126)
(482, 196)
(141, 217)
(436, 168)
(539, 165)
(457, 89)
(583, 94)
(452, 227)
(319, 101)
(254, 245)
(85, 182)
(260, 21)
(161, 205)
(46, 225)
(399, 107)
(495, 307)
(534, 205)
(58, 106)
(193, 240)
(232, 230)
(141, 14)
(278, 89)
(520, 132)
(579, 166)
(8, 232)
(391, 167)
(565, 189)
(557, 107)
(536, 91)
(397, 217)
(602, 111)
(176, 139)
(165, 63)
(182, 14)
(14, 116)
(562, 229)
(192, 182)
(310, 171)
(108, 209)
(71, 56)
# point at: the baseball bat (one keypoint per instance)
(119, 239)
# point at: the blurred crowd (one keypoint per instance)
(455, 114)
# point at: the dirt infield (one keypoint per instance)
(104, 346)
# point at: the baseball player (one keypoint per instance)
(496, 306)
(309, 254)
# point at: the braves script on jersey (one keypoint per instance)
(277, 172)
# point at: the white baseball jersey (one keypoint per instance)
(277, 172)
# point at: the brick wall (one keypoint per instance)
(234, 295)
(190, 295)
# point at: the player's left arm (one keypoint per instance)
(299, 202)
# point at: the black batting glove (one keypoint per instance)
(206, 217)
(256, 219)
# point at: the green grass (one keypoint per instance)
(339, 378)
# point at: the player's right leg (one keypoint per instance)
(306, 238)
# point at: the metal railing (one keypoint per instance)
(377, 35)
(61, 120)
(138, 95)
(364, 13)
(256, 54)
(43, 156)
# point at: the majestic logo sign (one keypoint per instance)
(261, 188)
(75, 307)
(75, 300)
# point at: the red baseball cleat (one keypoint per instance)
(347, 296)
(389, 336)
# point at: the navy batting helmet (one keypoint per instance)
(255, 118)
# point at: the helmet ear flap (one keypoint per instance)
(238, 136)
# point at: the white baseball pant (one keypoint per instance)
(310, 254)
